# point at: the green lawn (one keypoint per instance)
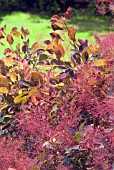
(39, 25)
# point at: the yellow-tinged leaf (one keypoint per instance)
(22, 98)
(33, 90)
(87, 49)
(15, 33)
(20, 91)
(100, 62)
(4, 81)
(13, 76)
(3, 90)
(84, 56)
(59, 85)
(9, 61)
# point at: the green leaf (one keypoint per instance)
(78, 136)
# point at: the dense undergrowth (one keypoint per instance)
(61, 118)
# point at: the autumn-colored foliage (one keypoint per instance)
(61, 118)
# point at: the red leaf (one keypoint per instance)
(68, 13)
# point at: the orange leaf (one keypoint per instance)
(36, 77)
(9, 39)
(4, 81)
(9, 61)
(71, 33)
(7, 50)
(34, 100)
(13, 76)
(55, 35)
(59, 51)
(56, 26)
(50, 48)
(55, 18)
(3, 90)
(55, 42)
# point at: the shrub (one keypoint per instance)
(60, 118)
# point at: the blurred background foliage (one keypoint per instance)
(35, 15)
(49, 6)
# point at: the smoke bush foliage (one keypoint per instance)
(105, 6)
(60, 120)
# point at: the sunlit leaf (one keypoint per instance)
(9, 62)
(3, 90)
(100, 62)
(13, 76)
(22, 98)
(84, 56)
(59, 85)
(15, 33)
(33, 91)
(56, 26)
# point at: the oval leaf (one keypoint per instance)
(9, 39)
(71, 33)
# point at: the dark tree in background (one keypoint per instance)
(48, 6)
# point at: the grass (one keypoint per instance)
(39, 25)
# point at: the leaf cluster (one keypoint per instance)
(63, 116)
